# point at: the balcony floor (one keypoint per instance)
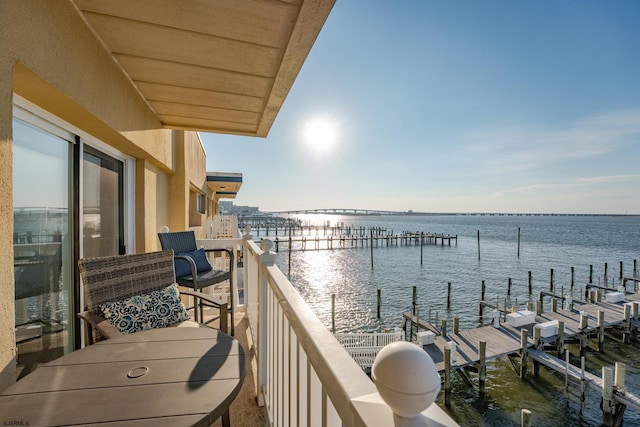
(244, 410)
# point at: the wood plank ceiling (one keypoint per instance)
(221, 66)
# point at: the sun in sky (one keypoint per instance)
(320, 134)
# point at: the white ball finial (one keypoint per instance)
(266, 245)
(406, 378)
(164, 229)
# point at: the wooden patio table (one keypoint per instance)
(169, 377)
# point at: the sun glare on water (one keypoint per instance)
(320, 135)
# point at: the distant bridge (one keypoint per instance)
(342, 211)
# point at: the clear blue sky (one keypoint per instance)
(456, 106)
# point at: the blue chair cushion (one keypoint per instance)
(199, 257)
(151, 310)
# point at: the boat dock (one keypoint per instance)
(592, 318)
(343, 241)
(465, 351)
(534, 337)
(292, 234)
(473, 348)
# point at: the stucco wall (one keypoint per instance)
(7, 307)
(190, 172)
(152, 205)
(196, 172)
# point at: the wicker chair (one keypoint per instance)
(115, 278)
(183, 243)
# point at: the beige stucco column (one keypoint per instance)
(7, 290)
(152, 205)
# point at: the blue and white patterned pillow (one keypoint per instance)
(152, 310)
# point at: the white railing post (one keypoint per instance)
(245, 271)
(267, 258)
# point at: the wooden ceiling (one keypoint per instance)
(221, 66)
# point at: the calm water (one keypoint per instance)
(546, 242)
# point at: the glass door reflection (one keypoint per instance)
(42, 245)
(102, 204)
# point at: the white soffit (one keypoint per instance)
(221, 66)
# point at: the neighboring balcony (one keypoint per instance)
(223, 227)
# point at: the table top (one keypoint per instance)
(169, 377)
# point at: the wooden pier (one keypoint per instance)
(288, 231)
(469, 350)
(319, 242)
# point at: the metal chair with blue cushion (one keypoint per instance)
(192, 266)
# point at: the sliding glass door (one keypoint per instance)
(69, 203)
(42, 243)
(102, 204)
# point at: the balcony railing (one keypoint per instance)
(304, 375)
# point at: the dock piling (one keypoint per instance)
(566, 373)
(525, 418)
(371, 249)
(600, 331)
(413, 300)
(584, 320)
(584, 344)
(447, 375)
(481, 306)
(333, 313)
(627, 323)
(607, 396)
(289, 254)
(583, 383)
(524, 335)
(482, 368)
(621, 275)
(536, 337)
(560, 343)
(619, 375)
